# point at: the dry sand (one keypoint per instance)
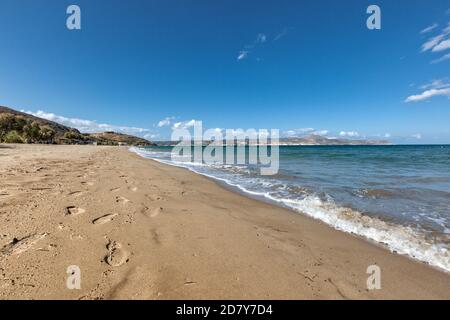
(138, 229)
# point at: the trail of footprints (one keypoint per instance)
(117, 255)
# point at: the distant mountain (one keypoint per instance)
(20, 127)
(311, 140)
(316, 140)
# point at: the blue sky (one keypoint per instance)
(290, 65)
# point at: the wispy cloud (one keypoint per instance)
(261, 38)
(443, 45)
(88, 126)
(417, 136)
(429, 28)
(185, 124)
(437, 84)
(301, 132)
(439, 42)
(280, 35)
(428, 94)
(438, 87)
(165, 122)
(297, 132)
(441, 59)
(320, 132)
(351, 134)
(151, 135)
(242, 55)
(432, 42)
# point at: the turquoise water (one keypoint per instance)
(395, 195)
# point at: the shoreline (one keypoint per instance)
(388, 235)
(174, 234)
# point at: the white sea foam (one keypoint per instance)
(398, 238)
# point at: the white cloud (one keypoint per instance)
(387, 135)
(185, 124)
(281, 34)
(430, 28)
(242, 55)
(443, 45)
(418, 136)
(432, 42)
(88, 126)
(435, 88)
(439, 42)
(261, 38)
(320, 132)
(437, 84)
(165, 122)
(297, 132)
(443, 58)
(427, 94)
(351, 134)
(151, 135)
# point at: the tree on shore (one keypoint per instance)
(18, 129)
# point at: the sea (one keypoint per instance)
(396, 195)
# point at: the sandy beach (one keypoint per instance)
(138, 229)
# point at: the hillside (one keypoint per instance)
(58, 128)
(119, 138)
(316, 140)
(20, 127)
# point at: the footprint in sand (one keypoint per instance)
(152, 197)
(114, 189)
(75, 193)
(104, 219)
(134, 189)
(122, 200)
(3, 194)
(155, 212)
(152, 213)
(87, 183)
(116, 256)
(17, 246)
(74, 211)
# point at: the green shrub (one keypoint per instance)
(6, 123)
(46, 133)
(12, 137)
(31, 132)
(72, 135)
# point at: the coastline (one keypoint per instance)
(173, 234)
